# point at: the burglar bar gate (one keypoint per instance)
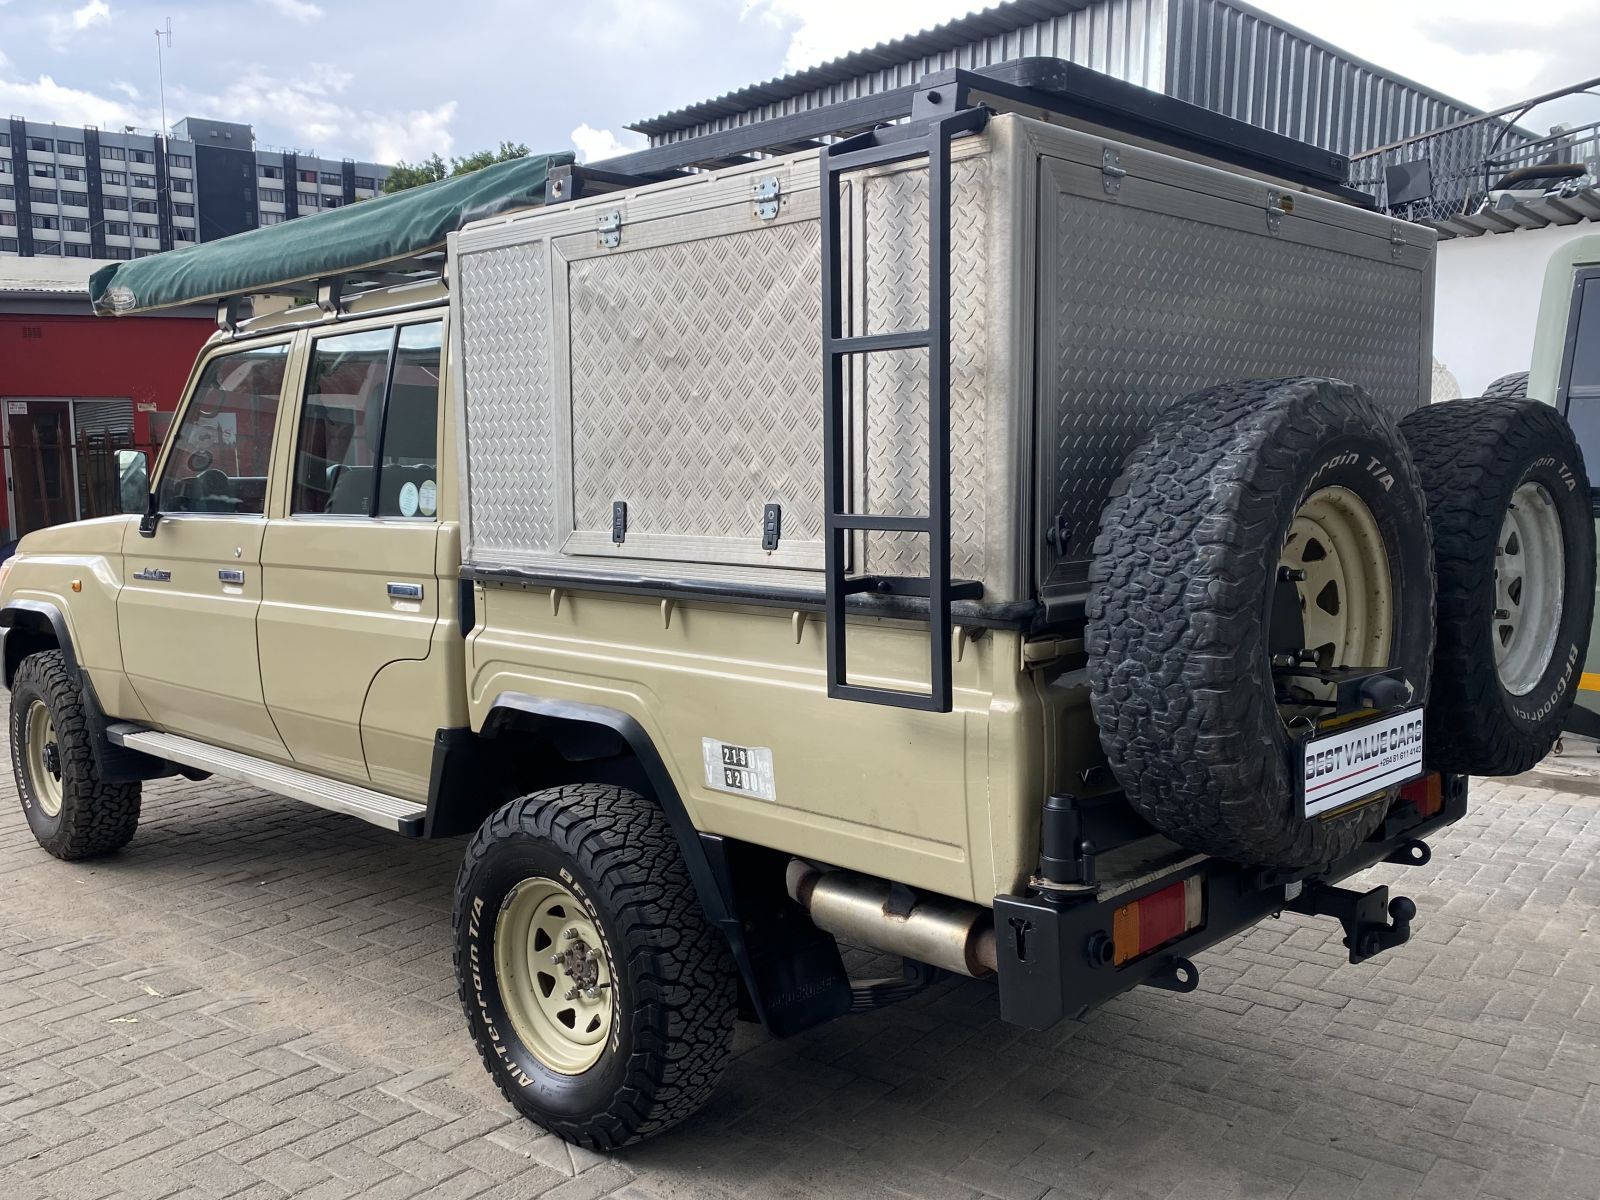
(931, 137)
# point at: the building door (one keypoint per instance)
(41, 467)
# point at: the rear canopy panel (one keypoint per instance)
(640, 374)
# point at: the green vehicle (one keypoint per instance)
(1566, 373)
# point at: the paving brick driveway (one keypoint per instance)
(255, 1000)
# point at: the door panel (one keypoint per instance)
(328, 626)
(187, 614)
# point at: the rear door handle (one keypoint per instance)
(231, 576)
(405, 591)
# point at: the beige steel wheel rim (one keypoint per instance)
(1530, 575)
(554, 975)
(1334, 552)
(44, 759)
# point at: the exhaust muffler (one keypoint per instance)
(949, 934)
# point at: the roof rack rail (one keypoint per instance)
(1039, 86)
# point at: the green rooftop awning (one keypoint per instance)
(362, 236)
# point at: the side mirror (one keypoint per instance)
(133, 480)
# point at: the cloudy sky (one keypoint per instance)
(392, 79)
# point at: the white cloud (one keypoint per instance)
(824, 29)
(593, 145)
(46, 100)
(63, 26)
(301, 11)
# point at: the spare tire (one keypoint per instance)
(1513, 538)
(1509, 387)
(1229, 486)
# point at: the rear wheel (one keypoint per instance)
(601, 999)
(1509, 387)
(1513, 532)
(72, 812)
(1263, 531)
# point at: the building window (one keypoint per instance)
(5, 140)
(269, 218)
(42, 170)
(118, 252)
(270, 172)
(308, 200)
(148, 207)
(40, 221)
(114, 153)
(333, 177)
(75, 199)
(145, 251)
(73, 173)
(115, 177)
(40, 196)
(144, 181)
(75, 224)
(64, 147)
(183, 210)
(117, 228)
(145, 231)
(5, 166)
(308, 176)
(115, 203)
(363, 181)
(183, 234)
(8, 218)
(8, 245)
(7, 192)
(76, 249)
(180, 160)
(141, 156)
(270, 195)
(44, 144)
(183, 185)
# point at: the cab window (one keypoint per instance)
(223, 445)
(368, 439)
(1582, 371)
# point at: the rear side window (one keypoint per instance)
(368, 441)
(1581, 371)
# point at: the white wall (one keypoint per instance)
(1486, 300)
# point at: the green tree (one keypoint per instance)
(408, 175)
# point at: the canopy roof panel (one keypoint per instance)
(275, 258)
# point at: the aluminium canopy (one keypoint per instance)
(357, 237)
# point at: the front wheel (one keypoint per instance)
(601, 999)
(72, 812)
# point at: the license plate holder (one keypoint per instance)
(1345, 766)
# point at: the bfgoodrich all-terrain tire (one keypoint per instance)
(1234, 488)
(1513, 536)
(601, 999)
(1509, 387)
(73, 813)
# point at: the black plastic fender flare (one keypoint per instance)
(54, 617)
(796, 979)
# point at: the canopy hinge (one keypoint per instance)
(766, 196)
(608, 227)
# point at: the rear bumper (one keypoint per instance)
(1046, 968)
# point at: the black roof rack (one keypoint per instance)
(1036, 85)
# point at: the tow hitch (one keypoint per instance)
(1366, 916)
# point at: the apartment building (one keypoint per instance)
(83, 192)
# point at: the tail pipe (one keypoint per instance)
(949, 934)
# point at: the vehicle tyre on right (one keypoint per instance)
(600, 997)
(1509, 387)
(1514, 542)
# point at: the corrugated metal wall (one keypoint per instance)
(1232, 59)
(1124, 38)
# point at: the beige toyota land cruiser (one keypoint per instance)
(1008, 538)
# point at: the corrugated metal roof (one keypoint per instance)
(984, 23)
(47, 275)
(1579, 206)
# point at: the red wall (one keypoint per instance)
(145, 359)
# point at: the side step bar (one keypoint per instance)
(377, 808)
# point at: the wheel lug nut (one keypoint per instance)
(1502, 614)
(572, 994)
(1291, 574)
(571, 935)
(555, 958)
